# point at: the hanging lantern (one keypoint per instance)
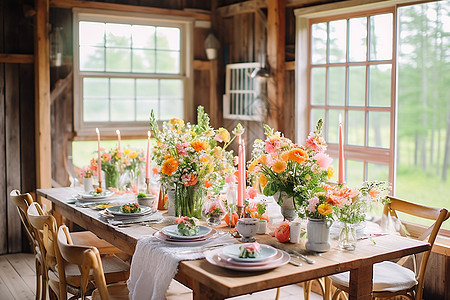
(212, 46)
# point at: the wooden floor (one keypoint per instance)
(18, 281)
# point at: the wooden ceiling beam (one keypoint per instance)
(241, 8)
(128, 8)
(16, 58)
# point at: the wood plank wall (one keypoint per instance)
(17, 164)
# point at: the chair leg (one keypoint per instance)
(278, 294)
(38, 279)
(327, 292)
(307, 289)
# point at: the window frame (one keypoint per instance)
(84, 129)
(302, 50)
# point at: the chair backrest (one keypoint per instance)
(439, 215)
(46, 230)
(87, 258)
(22, 202)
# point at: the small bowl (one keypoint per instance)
(147, 201)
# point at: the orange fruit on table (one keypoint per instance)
(283, 232)
(234, 219)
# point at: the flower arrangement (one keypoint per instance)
(89, 171)
(191, 160)
(297, 171)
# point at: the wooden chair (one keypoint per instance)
(392, 279)
(59, 285)
(22, 202)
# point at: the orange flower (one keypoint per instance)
(208, 184)
(217, 151)
(298, 155)
(199, 145)
(374, 193)
(325, 209)
(167, 156)
(262, 180)
(285, 155)
(253, 165)
(279, 166)
(263, 158)
(169, 166)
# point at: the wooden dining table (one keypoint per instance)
(212, 282)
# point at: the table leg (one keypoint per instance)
(203, 292)
(361, 283)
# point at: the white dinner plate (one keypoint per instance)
(172, 231)
(277, 257)
(92, 196)
(214, 258)
(233, 251)
(115, 210)
(182, 243)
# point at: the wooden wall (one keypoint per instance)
(17, 154)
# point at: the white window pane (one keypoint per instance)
(333, 125)
(143, 37)
(356, 85)
(377, 172)
(95, 87)
(144, 107)
(318, 76)
(118, 60)
(171, 109)
(144, 61)
(379, 129)
(354, 173)
(147, 88)
(92, 34)
(380, 37)
(357, 39)
(118, 35)
(316, 115)
(168, 62)
(336, 86)
(171, 88)
(167, 38)
(92, 58)
(338, 39)
(380, 85)
(356, 128)
(95, 110)
(319, 43)
(122, 110)
(122, 88)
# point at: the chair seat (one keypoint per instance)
(387, 277)
(119, 291)
(87, 238)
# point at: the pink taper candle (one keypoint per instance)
(99, 161)
(341, 153)
(241, 173)
(118, 139)
(147, 160)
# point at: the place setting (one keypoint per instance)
(129, 213)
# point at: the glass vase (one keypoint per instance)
(287, 205)
(213, 211)
(189, 200)
(347, 237)
(112, 177)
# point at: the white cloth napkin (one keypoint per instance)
(155, 263)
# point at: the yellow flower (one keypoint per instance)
(285, 156)
(325, 209)
(262, 180)
(133, 154)
(205, 159)
(279, 166)
(217, 151)
(177, 121)
(224, 134)
(330, 172)
(192, 133)
(126, 151)
(263, 158)
(199, 145)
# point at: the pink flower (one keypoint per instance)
(316, 143)
(254, 247)
(181, 148)
(312, 204)
(270, 148)
(323, 160)
(252, 192)
(230, 179)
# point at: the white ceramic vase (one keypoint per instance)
(88, 184)
(318, 231)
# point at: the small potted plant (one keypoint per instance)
(87, 173)
(146, 199)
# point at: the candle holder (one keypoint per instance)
(147, 185)
(100, 184)
(240, 211)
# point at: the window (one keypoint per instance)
(125, 66)
(350, 78)
(383, 69)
